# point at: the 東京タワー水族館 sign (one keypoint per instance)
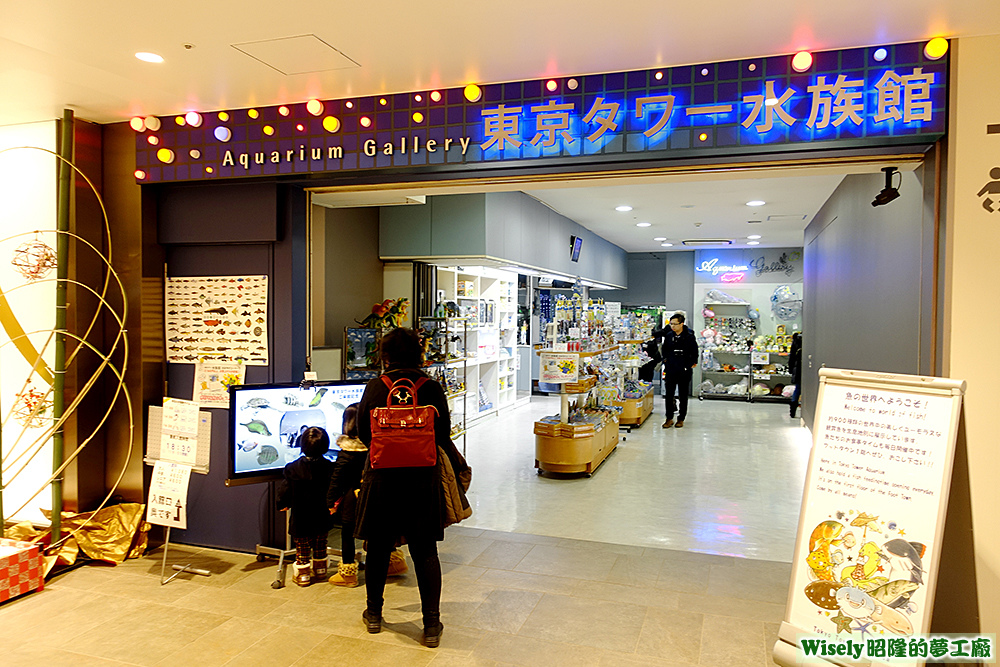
(850, 98)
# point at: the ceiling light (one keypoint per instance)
(193, 118)
(473, 93)
(223, 133)
(139, 174)
(152, 123)
(888, 193)
(666, 245)
(418, 117)
(366, 121)
(315, 107)
(753, 242)
(138, 124)
(147, 57)
(802, 61)
(642, 224)
(223, 116)
(880, 54)
(624, 208)
(660, 238)
(165, 155)
(754, 236)
(331, 124)
(551, 85)
(418, 98)
(435, 96)
(756, 202)
(572, 84)
(283, 110)
(936, 48)
(707, 242)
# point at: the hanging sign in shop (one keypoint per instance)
(167, 502)
(749, 265)
(865, 96)
(217, 318)
(872, 519)
(556, 368)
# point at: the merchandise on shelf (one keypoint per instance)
(484, 401)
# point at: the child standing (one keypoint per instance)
(342, 498)
(303, 492)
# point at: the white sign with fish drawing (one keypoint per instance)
(221, 318)
(872, 519)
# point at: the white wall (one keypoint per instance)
(27, 203)
(971, 315)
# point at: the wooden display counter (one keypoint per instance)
(636, 410)
(571, 448)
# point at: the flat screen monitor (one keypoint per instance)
(265, 420)
(576, 243)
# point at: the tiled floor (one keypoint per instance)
(619, 569)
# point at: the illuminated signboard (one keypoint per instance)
(856, 97)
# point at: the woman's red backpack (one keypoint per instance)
(402, 431)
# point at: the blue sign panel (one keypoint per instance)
(857, 97)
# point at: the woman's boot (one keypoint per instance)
(347, 575)
(432, 629)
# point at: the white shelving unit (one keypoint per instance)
(489, 298)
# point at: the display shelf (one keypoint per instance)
(573, 448)
(635, 411)
(447, 336)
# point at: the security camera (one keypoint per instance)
(888, 193)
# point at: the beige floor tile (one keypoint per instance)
(752, 580)
(54, 657)
(451, 660)
(462, 550)
(221, 644)
(455, 640)
(732, 642)
(530, 652)
(683, 576)
(238, 604)
(521, 537)
(340, 620)
(502, 555)
(735, 607)
(616, 659)
(346, 651)
(597, 623)
(671, 635)
(286, 646)
(463, 531)
(137, 586)
(529, 582)
(504, 611)
(76, 613)
(562, 562)
(465, 573)
(149, 635)
(626, 549)
(770, 637)
(635, 570)
(640, 595)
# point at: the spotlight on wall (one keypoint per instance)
(888, 192)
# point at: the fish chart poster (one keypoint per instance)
(867, 552)
(220, 318)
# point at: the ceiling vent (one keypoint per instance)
(786, 218)
(706, 242)
(754, 222)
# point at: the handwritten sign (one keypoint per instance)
(167, 501)
(179, 435)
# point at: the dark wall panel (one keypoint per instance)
(864, 268)
(353, 268)
(647, 273)
(231, 213)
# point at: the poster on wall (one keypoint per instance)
(557, 368)
(212, 380)
(872, 518)
(221, 318)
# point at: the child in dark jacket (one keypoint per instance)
(303, 491)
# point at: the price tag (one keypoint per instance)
(560, 347)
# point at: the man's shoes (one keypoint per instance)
(679, 424)
(373, 622)
(668, 423)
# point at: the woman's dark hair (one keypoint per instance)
(678, 316)
(314, 442)
(401, 348)
(350, 428)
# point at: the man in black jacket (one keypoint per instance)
(680, 355)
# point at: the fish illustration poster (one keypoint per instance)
(221, 318)
(873, 512)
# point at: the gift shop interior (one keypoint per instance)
(537, 305)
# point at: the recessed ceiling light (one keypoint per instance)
(147, 57)
(660, 238)
(756, 202)
(624, 208)
(754, 236)
(642, 224)
(753, 242)
(666, 245)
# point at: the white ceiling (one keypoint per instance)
(56, 54)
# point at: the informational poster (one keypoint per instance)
(220, 318)
(212, 380)
(760, 357)
(167, 502)
(613, 308)
(179, 433)
(871, 524)
(557, 367)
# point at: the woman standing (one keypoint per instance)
(404, 503)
